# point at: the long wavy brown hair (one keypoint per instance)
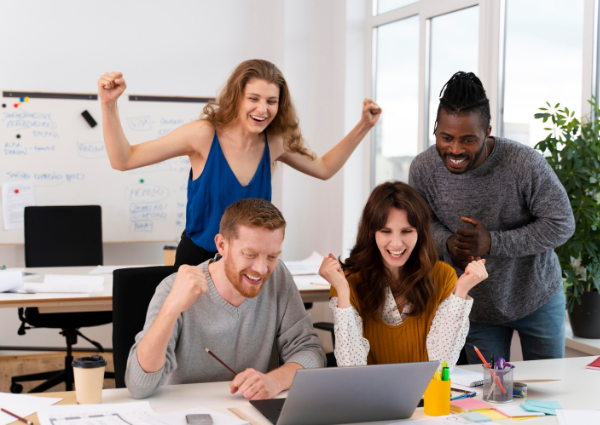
(416, 281)
(225, 109)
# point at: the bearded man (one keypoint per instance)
(244, 306)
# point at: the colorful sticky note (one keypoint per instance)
(475, 417)
(492, 414)
(549, 404)
(468, 404)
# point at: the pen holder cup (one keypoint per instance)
(492, 393)
(437, 398)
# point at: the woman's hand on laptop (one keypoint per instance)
(255, 385)
(189, 284)
(475, 272)
(331, 271)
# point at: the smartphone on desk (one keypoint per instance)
(199, 419)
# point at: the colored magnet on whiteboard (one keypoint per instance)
(16, 190)
(18, 136)
(141, 180)
(22, 99)
(27, 99)
(4, 105)
(16, 105)
(90, 120)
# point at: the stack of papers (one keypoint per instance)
(578, 417)
(10, 281)
(307, 266)
(137, 413)
(54, 283)
(547, 407)
(466, 378)
(22, 405)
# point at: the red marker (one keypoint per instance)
(16, 190)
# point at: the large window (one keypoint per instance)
(397, 92)
(544, 51)
(526, 53)
(454, 45)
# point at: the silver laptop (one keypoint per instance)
(350, 394)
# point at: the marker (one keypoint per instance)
(445, 374)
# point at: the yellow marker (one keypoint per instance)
(27, 99)
(437, 376)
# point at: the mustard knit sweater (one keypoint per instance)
(407, 341)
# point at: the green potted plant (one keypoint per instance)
(572, 148)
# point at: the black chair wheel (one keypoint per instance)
(16, 388)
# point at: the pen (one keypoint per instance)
(459, 397)
(17, 416)
(491, 371)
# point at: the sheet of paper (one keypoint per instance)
(15, 197)
(178, 417)
(465, 377)
(515, 411)
(54, 283)
(10, 281)
(314, 281)
(578, 417)
(136, 413)
(309, 265)
(22, 405)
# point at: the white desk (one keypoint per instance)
(578, 389)
(102, 299)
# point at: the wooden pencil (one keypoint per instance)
(220, 361)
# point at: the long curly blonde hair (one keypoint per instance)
(225, 109)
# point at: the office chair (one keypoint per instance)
(61, 236)
(325, 326)
(137, 284)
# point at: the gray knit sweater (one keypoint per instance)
(525, 208)
(260, 333)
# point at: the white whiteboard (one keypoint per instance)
(66, 160)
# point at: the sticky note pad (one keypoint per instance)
(550, 404)
(475, 417)
(468, 404)
(492, 414)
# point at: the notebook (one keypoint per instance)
(465, 377)
(595, 365)
(465, 405)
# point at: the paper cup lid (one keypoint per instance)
(89, 362)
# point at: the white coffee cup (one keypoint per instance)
(89, 378)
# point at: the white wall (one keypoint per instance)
(190, 48)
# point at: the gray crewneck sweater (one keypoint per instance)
(260, 333)
(525, 208)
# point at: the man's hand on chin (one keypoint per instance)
(255, 385)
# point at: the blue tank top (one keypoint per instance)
(215, 189)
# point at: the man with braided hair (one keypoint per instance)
(497, 199)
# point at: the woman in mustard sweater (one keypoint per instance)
(392, 300)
